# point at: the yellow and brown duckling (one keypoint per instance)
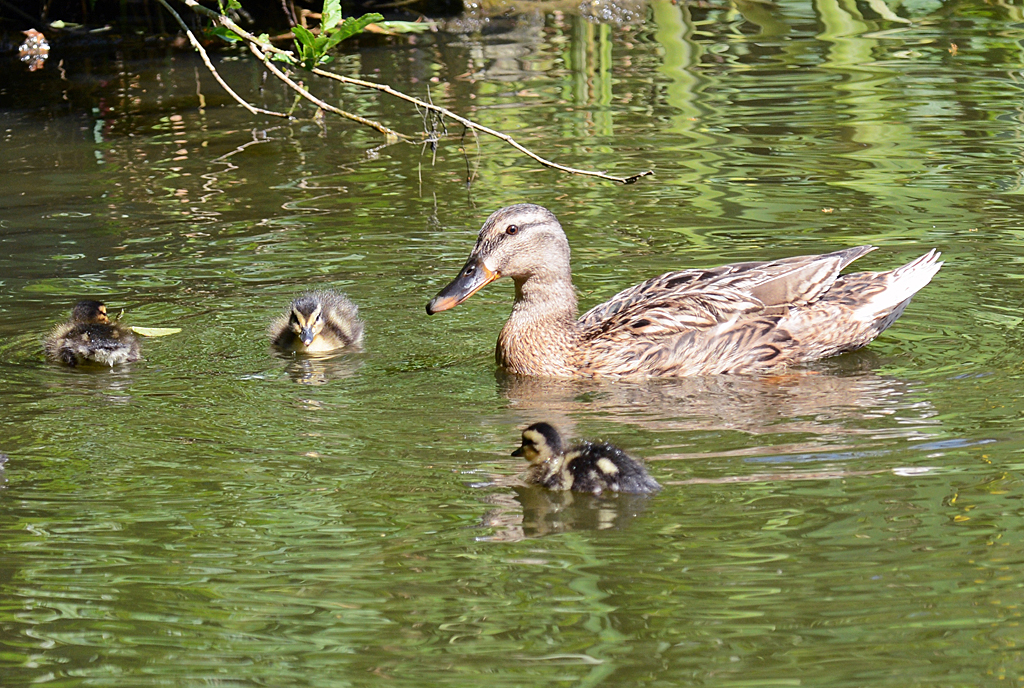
(90, 336)
(587, 467)
(736, 318)
(317, 322)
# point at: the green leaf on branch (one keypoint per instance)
(351, 26)
(330, 16)
(405, 26)
(304, 36)
(225, 33)
(312, 49)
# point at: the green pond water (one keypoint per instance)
(218, 514)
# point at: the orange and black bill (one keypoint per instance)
(474, 277)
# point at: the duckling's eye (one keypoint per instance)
(512, 229)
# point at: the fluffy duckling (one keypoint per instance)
(318, 321)
(587, 467)
(90, 336)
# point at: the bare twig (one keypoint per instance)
(479, 127)
(227, 23)
(213, 70)
(471, 173)
(265, 58)
(264, 51)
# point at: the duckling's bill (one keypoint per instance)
(475, 276)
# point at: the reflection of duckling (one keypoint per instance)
(90, 336)
(587, 467)
(318, 321)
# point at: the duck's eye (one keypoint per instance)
(512, 229)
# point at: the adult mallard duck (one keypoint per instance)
(316, 322)
(732, 319)
(587, 467)
(90, 336)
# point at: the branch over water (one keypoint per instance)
(265, 52)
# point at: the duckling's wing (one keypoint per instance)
(693, 299)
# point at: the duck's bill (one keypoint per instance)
(474, 277)
(521, 451)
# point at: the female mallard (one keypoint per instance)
(731, 319)
(587, 467)
(90, 336)
(316, 322)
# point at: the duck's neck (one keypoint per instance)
(541, 332)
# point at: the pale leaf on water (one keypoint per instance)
(155, 331)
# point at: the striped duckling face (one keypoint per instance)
(307, 319)
(541, 442)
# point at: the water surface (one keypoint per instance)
(218, 513)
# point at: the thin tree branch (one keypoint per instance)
(265, 58)
(227, 23)
(479, 127)
(263, 54)
(213, 70)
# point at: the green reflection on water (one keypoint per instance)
(219, 513)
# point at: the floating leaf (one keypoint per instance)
(155, 331)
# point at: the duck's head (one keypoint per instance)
(540, 443)
(90, 313)
(519, 241)
(307, 318)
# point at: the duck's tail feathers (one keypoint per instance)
(896, 288)
(906, 281)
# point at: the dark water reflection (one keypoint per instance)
(219, 513)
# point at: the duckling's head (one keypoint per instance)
(519, 241)
(307, 318)
(90, 313)
(540, 443)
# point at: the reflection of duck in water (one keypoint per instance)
(731, 319)
(90, 336)
(316, 322)
(587, 467)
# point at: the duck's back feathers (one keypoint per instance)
(749, 316)
(692, 299)
(598, 467)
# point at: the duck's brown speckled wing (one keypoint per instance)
(696, 299)
(829, 315)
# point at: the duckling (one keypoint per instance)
(740, 318)
(90, 336)
(318, 321)
(587, 467)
